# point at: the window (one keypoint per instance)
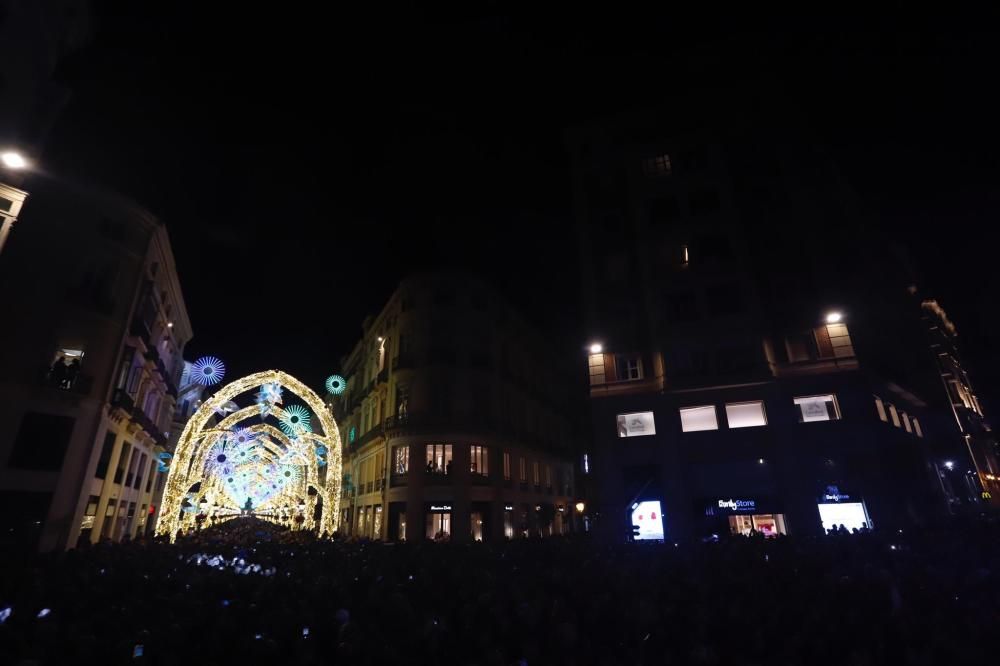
(880, 408)
(906, 422)
(41, 441)
(139, 472)
(548, 476)
(839, 340)
(523, 470)
(655, 167)
(894, 414)
(439, 458)
(92, 503)
(400, 459)
(628, 367)
(106, 449)
(506, 466)
(65, 367)
(438, 525)
(534, 472)
(817, 408)
(916, 428)
(479, 463)
(637, 424)
(745, 414)
(596, 364)
(122, 462)
(694, 419)
(152, 473)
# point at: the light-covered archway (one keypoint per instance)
(270, 466)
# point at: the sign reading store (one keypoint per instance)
(731, 505)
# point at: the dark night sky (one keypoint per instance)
(306, 162)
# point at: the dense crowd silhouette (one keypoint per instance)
(247, 592)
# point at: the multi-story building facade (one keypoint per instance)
(457, 420)
(758, 360)
(91, 355)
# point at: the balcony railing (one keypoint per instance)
(397, 480)
(78, 385)
(437, 478)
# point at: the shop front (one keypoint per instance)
(438, 522)
(743, 515)
(842, 508)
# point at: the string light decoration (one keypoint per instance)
(208, 370)
(295, 419)
(258, 463)
(336, 384)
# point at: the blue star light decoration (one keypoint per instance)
(336, 384)
(295, 419)
(208, 370)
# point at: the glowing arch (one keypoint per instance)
(190, 464)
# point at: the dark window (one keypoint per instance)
(664, 210)
(92, 503)
(724, 299)
(122, 462)
(152, 473)
(704, 203)
(654, 167)
(681, 306)
(105, 459)
(41, 441)
(6, 204)
(139, 472)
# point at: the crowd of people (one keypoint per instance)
(247, 592)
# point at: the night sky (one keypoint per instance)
(304, 163)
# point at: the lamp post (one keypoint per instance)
(11, 198)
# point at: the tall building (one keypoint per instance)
(457, 420)
(758, 360)
(95, 326)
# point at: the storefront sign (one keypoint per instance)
(738, 505)
(440, 507)
(833, 494)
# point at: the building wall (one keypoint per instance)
(88, 272)
(455, 366)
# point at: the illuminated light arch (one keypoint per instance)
(188, 465)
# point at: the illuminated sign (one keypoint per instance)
(833, 494)
(649, 518)
(440, 507)
(738, 504)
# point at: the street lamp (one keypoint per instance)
(580, 506)
(834, 317)
(596, 348)
(13, 160)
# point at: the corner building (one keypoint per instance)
(95, 327)
(759, 358)
(456, 420)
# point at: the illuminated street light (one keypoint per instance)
(13, 159)
(596, 348)
(580, 506)
(833, 317)
(949, 464)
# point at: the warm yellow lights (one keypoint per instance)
(188, 465)
(580, 506)
(834, 317)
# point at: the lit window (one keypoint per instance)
(657, 166)
(880, 407)
(916, 428)
(534, 472)
(596, 363)
(636, 425)
(894, 414)
(906, 422)
(745, 414)
(703, 417)
(439, 458)
(479, 460)
(627, 367)
(817, 408)
(400, 459)
(506, 466)
(523, 470)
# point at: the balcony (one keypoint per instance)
(437, 479)
(399, 480)
(122, 399)
(78, 385)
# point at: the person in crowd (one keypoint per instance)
(72, 370)
(247, 591)
(57, 373)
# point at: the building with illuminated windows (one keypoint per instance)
(457, 420)
(95, 326)
(759, 358)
